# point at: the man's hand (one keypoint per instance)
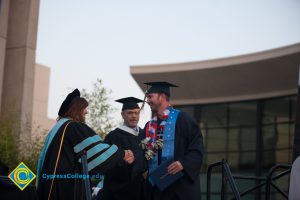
(175, 167)
(129, 157)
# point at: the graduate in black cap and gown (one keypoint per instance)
(182, 147)
(125, 181)
(63, 147)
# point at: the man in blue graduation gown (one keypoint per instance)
(182, 145)
(59, 173)
(125, 181)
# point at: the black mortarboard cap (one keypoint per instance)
(67, 102)
(129, 103)
(159, 87)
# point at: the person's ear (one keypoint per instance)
(122, 113)
(160, 97)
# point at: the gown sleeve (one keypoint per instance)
(112, 140)
(193, 156)
(100, 155)
(140, 163)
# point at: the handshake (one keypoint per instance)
(129, 157)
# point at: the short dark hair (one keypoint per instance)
(76, 108)
(167, 98)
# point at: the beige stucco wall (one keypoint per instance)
(24, 85)
(4, 8)
(18, 81)
(40, 98)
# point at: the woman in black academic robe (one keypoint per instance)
(66, 142)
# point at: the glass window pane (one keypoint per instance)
(204, 135)
(282, 156)
(283, 141)
(233, 140)
(216, 183)
(247, 160)
(242, 148)
(277, 145)
(292, 133)
(247, 139)
(214, 115)
(233, 161)
(188, 109)
(242, 114)
(276, 110)
(205, 163)
(270, 137)
(215, 145)
(214, 157)
(294, 107)
(216, 140)
(247, 147)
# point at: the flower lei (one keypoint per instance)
(151, 147)
(152, 143)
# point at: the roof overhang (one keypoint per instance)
(259, 75)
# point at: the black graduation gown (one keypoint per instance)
(76, 134)
(125, 181)
(189, 151)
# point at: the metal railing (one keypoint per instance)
(266, 182)
(270, 178)
(225, 172)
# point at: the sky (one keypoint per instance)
(81, 41)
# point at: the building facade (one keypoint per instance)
(24, 85)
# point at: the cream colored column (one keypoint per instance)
(41, 96)
(19, 68)
(4, 8)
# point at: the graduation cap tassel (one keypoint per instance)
(144, 101)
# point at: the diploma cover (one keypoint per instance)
(161, 178)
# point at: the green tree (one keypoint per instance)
(100, 110)
(31, 147)
(20, 141)
(9, 140)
